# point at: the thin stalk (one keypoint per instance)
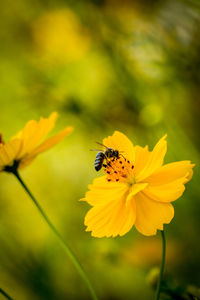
(162, 265)
(59, 238)
(5, 294)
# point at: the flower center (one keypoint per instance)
(119, 169)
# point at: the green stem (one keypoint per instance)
(60, 239)
(161, 266)
(5, 294)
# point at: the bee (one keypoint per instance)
(104, 155)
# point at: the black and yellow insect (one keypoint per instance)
(104, 155)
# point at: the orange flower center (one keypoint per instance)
(119, 169)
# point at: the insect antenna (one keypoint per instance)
(102, 145)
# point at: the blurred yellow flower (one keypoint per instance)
(145, 253)
(135, 190)
(60, 36)
(22, 149)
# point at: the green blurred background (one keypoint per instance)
(104, 65)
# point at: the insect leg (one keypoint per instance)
(108, 163)
(122, 156)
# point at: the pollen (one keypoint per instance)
(119, 170)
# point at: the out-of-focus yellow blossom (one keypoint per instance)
(60, 37)
(136, 190)
(145, 253)
(22, 149)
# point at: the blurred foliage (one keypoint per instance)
(103, 65)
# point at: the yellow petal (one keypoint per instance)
(167, 184)
(120, 142)
(112, 219)
(101, 191)
(155, 160)
(34, 132)
(47, 144)
(123, 220)
(141, 158)
(151, 215)
(8, 152)
(171, 172)
(25, 162)
(129, 217)
(136, 188)
(166, 192)
(111, 215)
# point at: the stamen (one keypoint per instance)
(119, 170)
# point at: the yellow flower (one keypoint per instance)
(136, 189)
(22, 149)
(60, 36)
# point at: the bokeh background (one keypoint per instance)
(104, 65)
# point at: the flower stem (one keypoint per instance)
(5, 294)
(60, 239)
(161, 266)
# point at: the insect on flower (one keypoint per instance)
(107, 154)
(136, 188)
